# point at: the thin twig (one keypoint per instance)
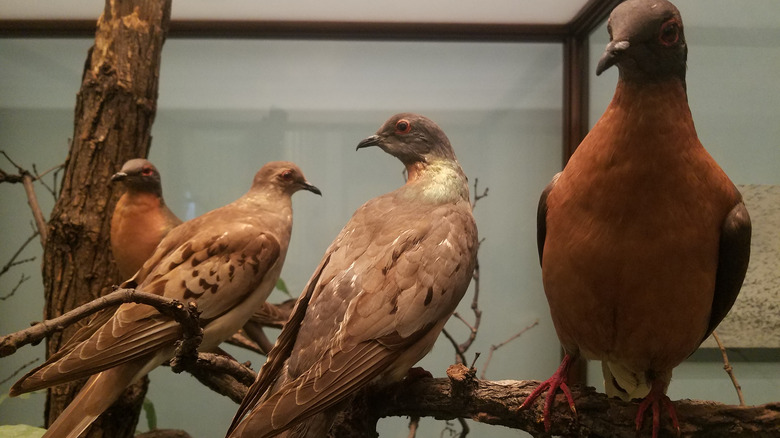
(729, 369)
(459, 356)
(39, 177)
(414, 423)
(496, 347)
(19, 370)
(477, 196)
(32, 200)
(13, 262)
(464, 431)
(26, 178)
(462, 348)
(18, 284)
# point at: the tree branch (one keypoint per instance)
(493, 348)
(728, 368)
(184, 315)
(12, 261)
(26, 178)
(461, 395)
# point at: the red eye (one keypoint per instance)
(287, 175)
(403, 126)
(147, 171)
(670, 32)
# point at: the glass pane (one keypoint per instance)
(228, 106)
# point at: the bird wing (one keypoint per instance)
(733, 256)
(277, 357)
(541, 216)
(217, 270)
(381, 287)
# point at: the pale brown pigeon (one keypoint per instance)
(226, 261)
(380, 296)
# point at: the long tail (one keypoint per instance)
(100, 392)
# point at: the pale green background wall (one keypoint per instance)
(228, 106)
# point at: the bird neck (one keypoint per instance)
(438, 181)
(656, 114)
(270, 200)
(140, 199)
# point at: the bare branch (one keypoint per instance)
(496, 347)
(26, 178)
(728, 368)
(462, 348)
(19, 370)
(478, 196)
(463, 396)
(464, 428)
(184, 315)
(13, 262)
(459, 356)
(18, 284)
(32, 200)
(39, 177)
(414, 423)
(239, 339)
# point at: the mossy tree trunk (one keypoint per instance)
(115, 108)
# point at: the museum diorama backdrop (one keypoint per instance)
(228, 106)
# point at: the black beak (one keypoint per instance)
(611, 55)
(374, 140)
(311, 188)
(119, 176)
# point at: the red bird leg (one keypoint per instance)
(656, 398)
(557, 380)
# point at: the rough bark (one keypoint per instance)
(461, 395)
(115, 108)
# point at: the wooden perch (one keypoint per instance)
(184, 315)
(461, 395)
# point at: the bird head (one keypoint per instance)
(283, 175)
(139, 175)
(646, 41)
(412, 139)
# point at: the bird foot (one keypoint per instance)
(655, 400)
(557, 380)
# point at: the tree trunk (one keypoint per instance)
(115, 109)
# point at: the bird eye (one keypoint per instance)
(403, 126)
(147, 171)
(670, 33)
(287, 175)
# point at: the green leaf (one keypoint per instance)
(283, 287)
(151, 414)
(21, 431)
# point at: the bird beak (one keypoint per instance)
(611, 55)
(119, 176)
(311, 188)
(374, 140)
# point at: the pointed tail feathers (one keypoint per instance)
(100, 392)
